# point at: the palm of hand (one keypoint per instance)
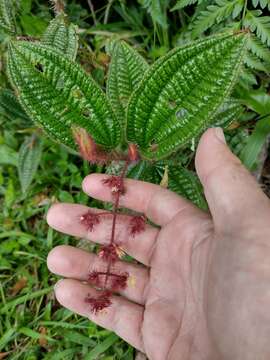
(175, 256)
(202, 292)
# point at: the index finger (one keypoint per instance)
(158, 204)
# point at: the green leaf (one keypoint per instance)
(214, 14)
(11, 106)
(253, 62)
(62, 36)
(34, 334)
(237, 140)
(126, 70)
(251, 151)
(22, 299)
(100, 348)
(56, 93)
(181, 93)
(229, 112)
(78, 338)
(145, 171)
(8, 156)
(33, 25)
(29, 158)
(7, 337)
(186, 184)
(183, 3)
(258, 49)
(262, 3)
(7, 16)
(156, 11)
(258, 24)
(259, 101)
(9, 193)
(25, 6)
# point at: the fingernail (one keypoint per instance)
(220, 134)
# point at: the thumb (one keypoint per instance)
(233, 196)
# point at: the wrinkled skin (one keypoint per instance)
(202, 290)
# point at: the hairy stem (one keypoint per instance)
(115, 213)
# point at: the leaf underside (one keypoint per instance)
(126, 70)
(62, 37)
(181, 93)
(58, 94)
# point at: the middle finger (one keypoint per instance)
(74, 263)
(65, 217)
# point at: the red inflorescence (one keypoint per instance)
(99, 302)
(112, 280)
(89, 220)
(119, 281)
(136, 225)
(110, 253)
(116, 184)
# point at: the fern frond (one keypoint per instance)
(62, 36)
(258, 49)
(154, 7)
(258, 24)
(126, 70)
(181, 93)
(252, 61)
(262, 3)
(183, 3)
(57, 94)
(7, 16)
(187, 184)
(214, 14)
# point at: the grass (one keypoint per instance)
(32, 324)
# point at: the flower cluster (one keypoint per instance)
(107, 280)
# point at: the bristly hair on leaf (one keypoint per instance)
(58, 6)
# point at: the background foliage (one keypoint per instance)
(35, 171)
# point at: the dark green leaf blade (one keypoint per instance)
(251, 151)
(29, 158)
(230, 111)
(7, 16)
(57, 93)
(182, 92)
(62, 36)
(126, 70)
(185, 183)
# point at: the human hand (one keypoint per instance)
(203, 290)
